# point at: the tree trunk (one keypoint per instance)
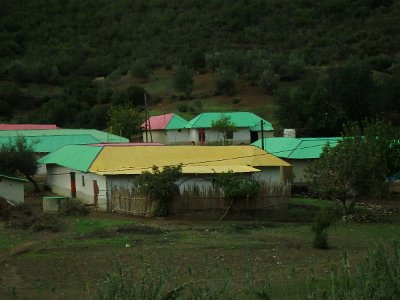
(33, 182)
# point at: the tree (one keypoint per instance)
(124, 120)
(183, 81)
(359, 166)
(160, 186)
(236, 189)
(224, 125)
(225, 81)
(17, 157)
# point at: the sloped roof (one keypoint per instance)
(27, 126)
(111, 160)
(296, 148)
(101, 136)
(240, 119)
(49, 143)
(77, 157)
(134, 160)
(166, 121)
(13, 178)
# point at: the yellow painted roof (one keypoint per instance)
(129, 160)
(187, 170)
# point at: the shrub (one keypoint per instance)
(323, 220)
(268, 81)
(72, 207)
(183, 107)
(225, 81)
(48, 222)
(140, 69)
(183, 80)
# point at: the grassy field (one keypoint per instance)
(238, 257)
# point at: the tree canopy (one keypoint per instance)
(359, 166)
(17, 158)
(124, 120)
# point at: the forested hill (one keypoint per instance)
(61, 42)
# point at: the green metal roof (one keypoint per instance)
(240, 119)
(296, 148)
(49, 143)
(13, 178)
(101, 136)
(176, 122)
(67, 157)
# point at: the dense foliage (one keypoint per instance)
(359, 166)
(160, 186)
(68, 44)
(18, 158)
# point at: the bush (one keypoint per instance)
(183, 81)
(73, 207)
(46, 222)
(183, 107)
(19, 217)
(323, 220)
(140, 69)
(225, 81)
(268, 81)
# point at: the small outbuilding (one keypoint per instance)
(12, 189)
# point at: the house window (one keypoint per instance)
(179, 130)
(83, 180)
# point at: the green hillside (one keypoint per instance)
(51, 52)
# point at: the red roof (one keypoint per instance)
(158, 122)
(126, 144)
(27, 126)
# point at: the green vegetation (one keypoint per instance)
(18, 158)
(80, 49)
(160, 186)
(359, 166)
(124, 120)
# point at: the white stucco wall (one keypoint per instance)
(59, 180)
(240, 136)
(266, 134)
(158, 136)
(299, 167)
(176, 137)
(12, 190)
(268, 174)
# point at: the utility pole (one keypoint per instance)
(262, 135)
(147, 119)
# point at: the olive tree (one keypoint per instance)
(18, 158)
(160, 186)
(359, 166)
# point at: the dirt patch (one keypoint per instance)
(126, 229)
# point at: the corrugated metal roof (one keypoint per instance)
(27, 126)
(127, 144)
(47, 143)
(296, 148)
(101, 136)
(13, 178)
(166, 121)
(240, 119)
(187, 170)
(77, 157)
(122, 159)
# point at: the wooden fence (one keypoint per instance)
(194, 198)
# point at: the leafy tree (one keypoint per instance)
(359, 166)
(235, 188)
(183, 80)
(268, 81)
(17, 157)
(224, 125)
(225, 81)
(140, 69)
(124, 120)
(160, 186)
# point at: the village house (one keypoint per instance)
(299, 152)
(46, 141)
(167, 129)
(12, 189)
(91, 173)
(248, 128)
